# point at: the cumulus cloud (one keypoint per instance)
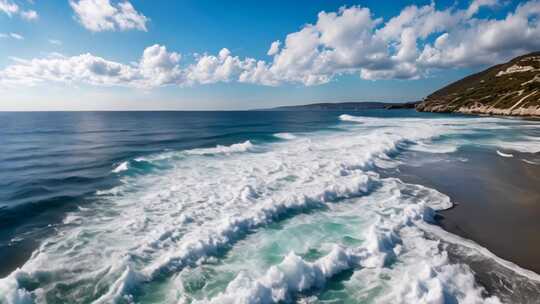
(483, 41)
(156, 67)
(410, 45)
(84, 68)
(159, 67)
(10, 8)
(418, 40)
(102, 15)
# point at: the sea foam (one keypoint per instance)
(234, 148)
(121, 167)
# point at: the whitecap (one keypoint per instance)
(121, 167)
(285, 135)
(347, 117)
(219, 149)
(11, 293)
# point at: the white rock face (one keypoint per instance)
(516, 69)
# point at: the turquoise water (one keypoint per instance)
(238, 207)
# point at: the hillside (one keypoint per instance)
(511, 88)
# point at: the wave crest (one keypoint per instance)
(219, 149)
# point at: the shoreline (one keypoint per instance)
(496, 199)
(496, 205)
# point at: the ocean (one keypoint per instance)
(247, 207)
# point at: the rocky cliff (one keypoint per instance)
(511, 88)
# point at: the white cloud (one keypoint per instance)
(408, 46)
(477, 4)
(220, 68)
(274, 48)
(55, 42)
(8, 7)
(16, 36)
(482, 41)
(84, 68)
(102, 15)
(159, 67)
(156, 67)
(11, 35)
(29, 15)
(412, 44)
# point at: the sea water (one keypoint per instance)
(239, 207)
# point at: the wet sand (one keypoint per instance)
(497, 198)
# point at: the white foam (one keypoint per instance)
(234, 148)
(10, 293)
(525, 146)
(198, 246)
(434, 148)
(121, 167)
(504, 154)
(428, 276)
(285, 135)
(346, 117)
(245, 146)
(72, 218)
(281, 282)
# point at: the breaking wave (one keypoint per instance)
(234, 148)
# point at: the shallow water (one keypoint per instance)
(241, 207)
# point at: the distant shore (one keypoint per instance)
(345, 106)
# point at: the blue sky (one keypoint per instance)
(141, 54)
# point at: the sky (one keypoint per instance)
(234, 55)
